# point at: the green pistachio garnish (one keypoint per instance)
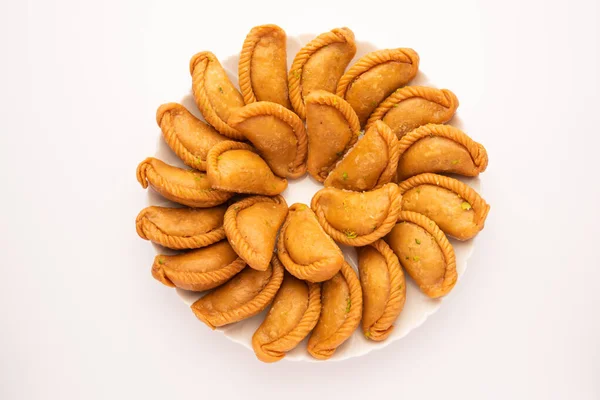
(219, 157)
(198, 160)
(395, 105)
(161, 261)
(345, 176)
(297, 73)
(465, 206)
(220, 89)
(348, 304)
(417, 241)
(367, 334)
(350, 234)
(416, 258)
(454, 162)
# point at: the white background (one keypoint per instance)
(81, 317)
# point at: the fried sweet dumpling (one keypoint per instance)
(235, 167)
(263, 66)
(181, 228)
(187, 136)
(244, 296)
(214, 93)
(329, 120)
(440, 148)
(278, 135)
(292, 316)
(371, 163)
(199, 269)
(456, 208)
(374, 77)
(319, 66)
(383, 287)
(412, 106)
(425, 253)
(354, 218)
(252, 224)
(304, 248)
(341, 309)
(188, 187)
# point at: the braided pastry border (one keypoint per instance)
(322, 97)
(251, 308)
(375, 58)
(276, 350)
(382, 328)
(480, 207)
(477, 151)
(244, 65)
(383, 229)
(265, 108)
(443, 97)
(311, 272)
(325, 349)
(236, 240)
(198, 65)
(337, 35)
(450, 276)
(147, 230)
(202, 198)
(195, 281)
(164, 119)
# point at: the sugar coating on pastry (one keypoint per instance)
(440, 148)
(341, 310)
(236, 167)
(181, 228)
(357, 218)
(383, 287)
(278, 135)
(215, 95)
(188, 187)
(263, 66)
(319, 66)
(292, 316)
(186, 135)
(371, 163)
(375, 76)
(412, 106)
(199, 269)
(456, 208)
(252, 225)
(425, 253)
(245, 295)
(329, 120)
(303, 247)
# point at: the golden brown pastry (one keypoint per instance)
(181, 228)
(214, 93)
(235, 167)
(305, 250)
(374, 77)
(292, 316)
(354, 218)
(319, 65)
(244, 296)
(456, 208)
(188, 187)
(278, 135)
(425, 253)
(332, 128)
(199, 269)
(187, 136)
(341, 309)
(412, 106)
(263, 66)
(383, 289)
(370, 164)
(440, 148)
(252, 224)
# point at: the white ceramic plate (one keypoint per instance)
(417, 307)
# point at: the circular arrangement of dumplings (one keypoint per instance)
(379, 147)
